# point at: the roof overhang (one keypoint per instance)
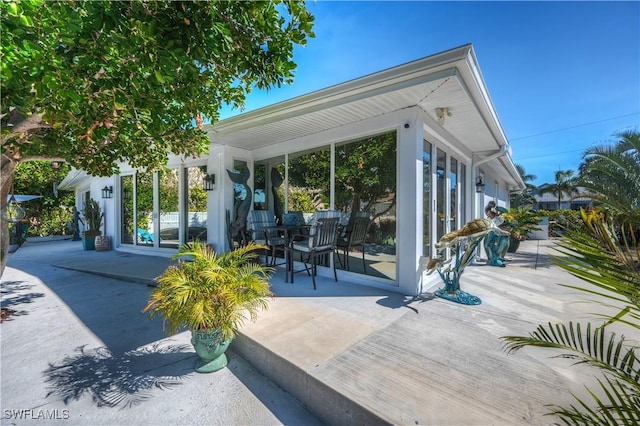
(450, 79)
(74, 178)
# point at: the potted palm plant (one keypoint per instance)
(93, 217)
(211, 295)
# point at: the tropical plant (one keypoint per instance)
(50, 214)
(608, 260)
(565, 184)
(521, 222)
(93, 215)
(522, 198)
(611, 174)
(208, 291)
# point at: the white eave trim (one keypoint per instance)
(426, 69)
(74, 178)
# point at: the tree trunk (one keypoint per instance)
(22, 126)
(7, 167)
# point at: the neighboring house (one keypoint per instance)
(433, 115)
(550, 202)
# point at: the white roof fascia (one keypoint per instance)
(73, 179)
(470, 73)
(431, 68)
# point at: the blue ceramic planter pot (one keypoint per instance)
(210, 347)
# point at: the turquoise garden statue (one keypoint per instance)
(462, 243)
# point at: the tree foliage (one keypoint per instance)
(566, 183)
(607, 262)
(47, 215)
(611, 173)
(366, 170)
(132, 80)
(523, 198)
(96, 83)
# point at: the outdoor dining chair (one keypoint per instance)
(313, 247)
(353, 239)
(258, 224)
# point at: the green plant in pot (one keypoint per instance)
(93, 217)
(520, 223)
(211, 295)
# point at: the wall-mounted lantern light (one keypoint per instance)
(479, 184)
(208, 181)
(107, 192)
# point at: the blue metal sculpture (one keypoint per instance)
(463, 244)
(496, 242)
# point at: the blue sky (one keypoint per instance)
(563, 76)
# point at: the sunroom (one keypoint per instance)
(418, 149)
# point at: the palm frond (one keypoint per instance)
(618, 405)
(207, 290)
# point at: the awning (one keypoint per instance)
(22, 198)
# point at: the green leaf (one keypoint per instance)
(159, 76)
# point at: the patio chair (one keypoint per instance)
(355, 237)
(299, 221)
(313, 247)
(259, 221)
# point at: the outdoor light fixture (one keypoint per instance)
(107, 192)
(12, 212)
(479, 184)
(208, 181)
(442, 114)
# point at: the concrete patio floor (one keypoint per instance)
(349, 354)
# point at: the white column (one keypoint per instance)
(409, 212)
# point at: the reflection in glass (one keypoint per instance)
(269, 186)
(169, 213)
(309, 180)
(259, 187)
(127, 230)
(441, 196)
(144, 209)
(196, 201)
(365, 186)
(426, 198)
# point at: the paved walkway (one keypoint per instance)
(79, 343)
(78, 350)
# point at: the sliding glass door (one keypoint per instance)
(156, 212)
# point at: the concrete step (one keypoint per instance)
(322, 400)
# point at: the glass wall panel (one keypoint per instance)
(127, 231)
(453, 197)
(269, 186)
(196, 202)
(169, 212)
(144, 209)
(441, 196)
(259, 187)
(426, 198)
(309, 186)
(365, 186)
